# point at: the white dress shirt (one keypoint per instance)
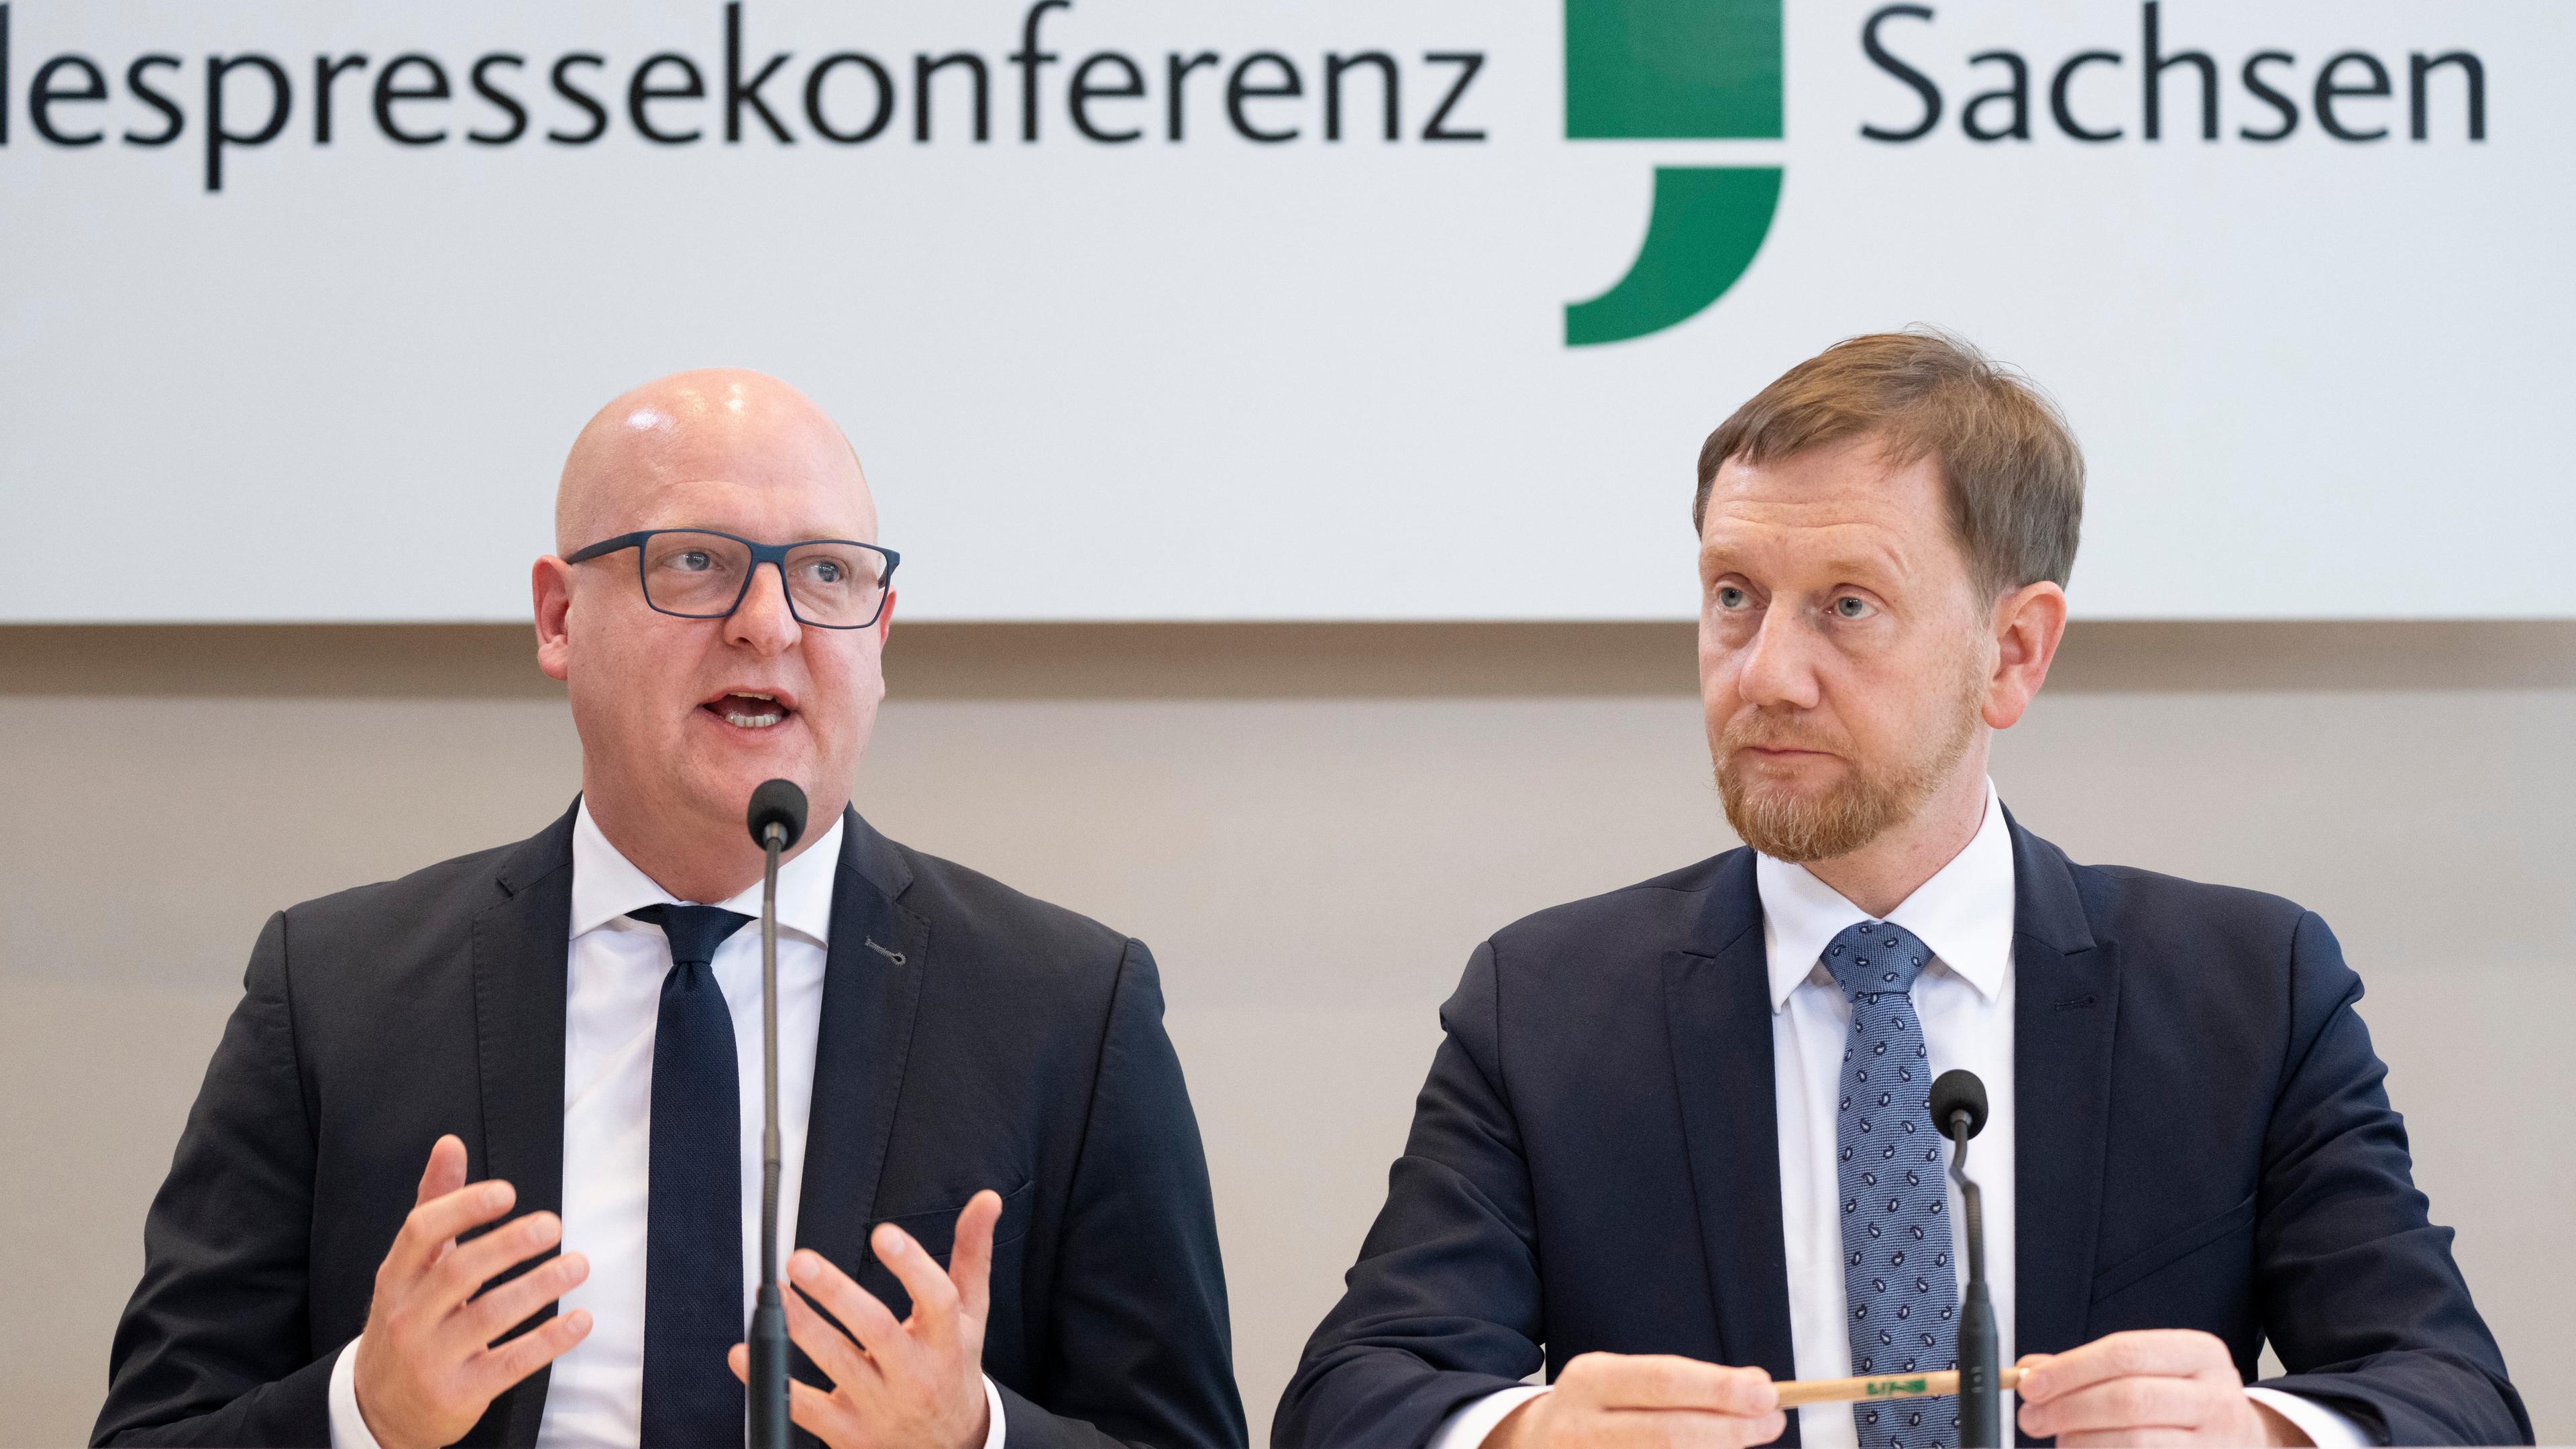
(1964, 1000)
(612, 1004)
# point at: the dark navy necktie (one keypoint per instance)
(693, 1284)
(1898, 1280)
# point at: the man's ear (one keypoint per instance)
(885, 618)
(550, 585)
(2028, 622)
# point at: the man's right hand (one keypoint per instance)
(426, 1368)
(1619, 1399)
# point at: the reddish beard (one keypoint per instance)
(1872, 797)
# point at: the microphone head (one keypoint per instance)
(780, 803)
(1958, 1090)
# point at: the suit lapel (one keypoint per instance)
(871, 993)
(1717, 1003)
(2066, 1010)
(521, 955)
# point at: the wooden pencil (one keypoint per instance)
(1794, 1392)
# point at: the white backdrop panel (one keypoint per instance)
(1216, 379)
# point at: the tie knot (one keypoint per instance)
(1875, 956)
(694, 931)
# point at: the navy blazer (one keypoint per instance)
(971, 1038)
(2202, 1142)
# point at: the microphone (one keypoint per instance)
(1959, 1111)
(777, 821)
(778, 803)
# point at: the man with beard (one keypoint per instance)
(1676, 1143)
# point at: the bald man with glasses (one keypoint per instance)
(478, 1158)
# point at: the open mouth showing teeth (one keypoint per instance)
(747, 711)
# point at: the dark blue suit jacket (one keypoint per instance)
(2203, 1142)
(971, 1038)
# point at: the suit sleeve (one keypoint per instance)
(215, 1346)
(1444, 1305)
(2361, 1298)
(1142, 1349)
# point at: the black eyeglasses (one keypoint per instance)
(698, 573)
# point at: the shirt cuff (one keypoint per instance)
(2326, 1428)
(1467, 1425)
(348, 1426)
(992, 1402)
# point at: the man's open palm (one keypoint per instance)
(917, 1381)
(427, 1366)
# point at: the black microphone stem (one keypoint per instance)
(1980, 1394)
(768, 1345)
(1973, 1204)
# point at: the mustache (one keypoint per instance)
(1772, 731)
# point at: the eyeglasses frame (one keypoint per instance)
(761, 553)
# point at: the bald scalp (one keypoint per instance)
(712, 423)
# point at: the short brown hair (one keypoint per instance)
(2010, 468)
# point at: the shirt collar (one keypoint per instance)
(1964, 912)
(606, 885)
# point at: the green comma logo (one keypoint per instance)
(1677, 70)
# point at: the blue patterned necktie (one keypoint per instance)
(1898, 1280)
(693, 1303)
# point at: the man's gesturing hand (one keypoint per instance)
(1613, 1399)
(2153, 1386)
(426, 1369)
(920, 1381)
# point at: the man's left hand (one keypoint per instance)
(2155, 1386)
(918, 1381)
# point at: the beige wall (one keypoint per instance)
(1311, 827)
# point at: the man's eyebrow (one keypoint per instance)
(1869, 564)
(1874, 564)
